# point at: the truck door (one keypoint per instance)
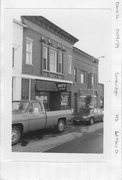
(37, 118)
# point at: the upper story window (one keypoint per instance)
(69, 64)
(75, 74)
(29, 43)
(45, 67)
(60, 62)
(82, 75)
(92, 79)
(52, 58)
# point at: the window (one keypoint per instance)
(18, 106)
(92, 79)
(75, 74)
(82, 77)
(29, 43)
(45, 58)
(37, 108)
(69, 64)
(60, 62)
(25, 89)
(52, 56)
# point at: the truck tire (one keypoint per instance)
(16, 134)
(60, 125)
(91, 121)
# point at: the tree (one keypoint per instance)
(88, 100)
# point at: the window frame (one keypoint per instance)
(69, 64)
(55, 60)
(92, 79)
(39, 105)
(30, 51)
(44, 46)
(60, 53)
(82, 79)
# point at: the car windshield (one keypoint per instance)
(19, 106)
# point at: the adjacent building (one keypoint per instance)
(48, 67)
(85, 79)
(17, 53)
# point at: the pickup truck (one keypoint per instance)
(31, 115)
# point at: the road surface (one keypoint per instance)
(88, 143)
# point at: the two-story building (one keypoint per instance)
(48, 67)
(47, 71)
(85, 78)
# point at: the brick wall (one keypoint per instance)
(35, 33)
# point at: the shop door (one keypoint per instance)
(75, 102)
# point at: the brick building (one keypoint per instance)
(85, 78)
(48, 67)
(47, 70)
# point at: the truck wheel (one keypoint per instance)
(91, 121)
(60, 126)
(16, 134)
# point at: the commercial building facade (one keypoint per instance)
(85, 79)
(47, 70)
(48, 67)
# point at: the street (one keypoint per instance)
(74, 139)
(88, 143)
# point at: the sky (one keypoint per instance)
(91, 26)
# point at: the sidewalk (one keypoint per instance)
(71, 132)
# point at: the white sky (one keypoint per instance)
(91, 26)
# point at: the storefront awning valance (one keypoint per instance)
(52, 86)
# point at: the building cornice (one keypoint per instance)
(86, 54)
(19, 23)
(49, 26)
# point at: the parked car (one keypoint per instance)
(31, 115)
(89, 116)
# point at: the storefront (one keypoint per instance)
(83, 98)
(54, 95)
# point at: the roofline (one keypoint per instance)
(79, 50)
(48, 25)
(19, 23)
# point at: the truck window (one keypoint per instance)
(37, 108)
(19, 106)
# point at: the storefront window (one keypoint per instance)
(65, 100)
